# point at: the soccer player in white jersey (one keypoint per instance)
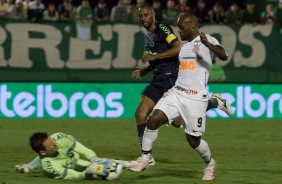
(188, 98)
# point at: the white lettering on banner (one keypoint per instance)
(77, 53)
(40, 101)
(258, 54)
(50, 97)
(240, 102)
(4, 97)
(251, 98)
(270, 104)
(21, 43)
(125, 46)
(117, 106)
(72, 104)
(243, 105)
(46, 101)
(22, 104)
(99, 111)
(56, 104)
(3, 37)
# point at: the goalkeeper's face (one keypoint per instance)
(51, 149)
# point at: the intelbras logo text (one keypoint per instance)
(45, 102)
(252, 102)
(78, 100)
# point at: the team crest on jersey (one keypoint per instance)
(196, 48)
(152, 44)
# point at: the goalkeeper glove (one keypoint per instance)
(100, 168)
(22, 168)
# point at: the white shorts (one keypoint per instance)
(193, 112)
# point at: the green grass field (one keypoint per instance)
(247, 151)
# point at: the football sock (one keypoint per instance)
(204, 151)
(148, 139)
(212, 103)
(140, 130)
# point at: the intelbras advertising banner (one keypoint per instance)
(119, 100)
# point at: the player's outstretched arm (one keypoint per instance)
(218, 50)
(87, 153)
(173, 51)
(26, 168)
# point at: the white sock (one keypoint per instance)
(148, 139)
(204, 151)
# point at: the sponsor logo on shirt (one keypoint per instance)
(187, 65)
(165, 29)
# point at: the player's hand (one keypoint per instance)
(204, 39)
(139, 72)
(100, 167)
(148, 57)
(22, 168)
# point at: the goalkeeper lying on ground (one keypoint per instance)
(62, 157)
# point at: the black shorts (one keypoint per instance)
(156, 89)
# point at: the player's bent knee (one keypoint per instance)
(141, 116)
(154, 123)
(193, 141)
(150, 125)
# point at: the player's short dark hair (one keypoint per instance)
(146, 6)
(36, 141)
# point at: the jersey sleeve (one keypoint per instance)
(212, 40)
(54, 171)
(34, 164)
(84, 151)
(75, 175)
(168, 34)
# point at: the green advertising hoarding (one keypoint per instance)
(119, 100)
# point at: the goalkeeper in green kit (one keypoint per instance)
(62, 157)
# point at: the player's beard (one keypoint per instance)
(146, 25)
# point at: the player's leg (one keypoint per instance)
(157, 119)
(216, 101)
(144, 109)
(195, 112)
(163, 111)
(212, 103)
(202, 148)
(150, 96)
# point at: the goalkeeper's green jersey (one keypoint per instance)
(72, 160)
